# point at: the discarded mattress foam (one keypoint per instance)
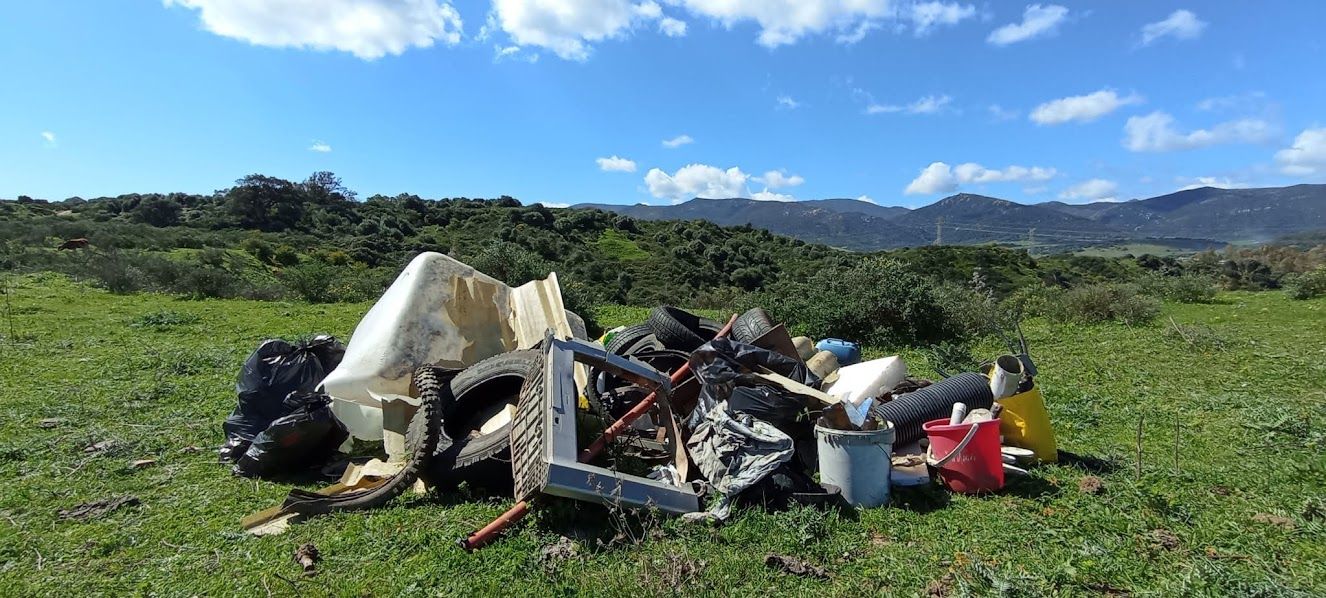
(439, 311)
(860, 381)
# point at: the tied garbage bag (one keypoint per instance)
(723, 366)
(271, 373)
(308, 436)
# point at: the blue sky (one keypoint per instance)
(616, 101)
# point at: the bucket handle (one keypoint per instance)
(930, 450)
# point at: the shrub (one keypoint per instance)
(875, 300)
(1186, 288)
(312, 281)
(1308, 285)
(161, 320)
(1089, 304)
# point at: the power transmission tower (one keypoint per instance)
(939, 231)
(1031, 238)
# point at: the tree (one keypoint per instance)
(265, 203)
(158, 211)
(325, 188)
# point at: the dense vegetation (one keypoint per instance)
(270, 238)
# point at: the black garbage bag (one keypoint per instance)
(273, 371)
(724, 368)
(308, 436)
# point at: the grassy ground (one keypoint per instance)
(1241, 513)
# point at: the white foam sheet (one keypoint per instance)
(857, 382)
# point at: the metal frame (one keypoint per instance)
(544, 446)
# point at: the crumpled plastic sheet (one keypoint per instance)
(723, 364)
(736, 452)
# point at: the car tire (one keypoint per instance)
(464, 454)
(678, 329)
(751, 325)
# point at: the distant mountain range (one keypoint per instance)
(1191, 218)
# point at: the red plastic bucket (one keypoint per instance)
(970, 469)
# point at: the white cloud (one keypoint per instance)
(767, 195)
(555, 204)
(777, 179)
(1181, 24)
(999, 113)
(697, 180)
(786, 101)
(501, 53)
(939, 177)
(1210, 181)
(1242, 101)
(672, 27)
(1037, 21)
(616, 164)
(49, 138)
(1307, 156)
(1156, 132)
(925, 105)
(1081, 108)
(1094, 190)
(677, 141)
(320, 147)
(784, 22)
(570, 27)
(369, 29)
(925, 16)
(865, 198)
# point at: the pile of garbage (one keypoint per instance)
(464, 380)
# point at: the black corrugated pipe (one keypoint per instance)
(908, 411)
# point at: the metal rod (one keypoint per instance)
(489, 532)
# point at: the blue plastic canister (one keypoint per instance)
(847, 352)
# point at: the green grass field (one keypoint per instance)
(1241, 512)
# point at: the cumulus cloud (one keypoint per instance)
(1156, 132)
(939, 177)
(672, 27)
(1084, 108)
(767, 195)
(697, 180)
(49, 138)
(1210, 181)
(925, 16)
(1181, 24)
(788, 103)
(369, 29)
(778, 179)
(570, 27)
(616, 164)
(320, 146)
(926, 105)
(677, 141)
(1092, 190)
(865, 198)
(1037, 21)
(1307, 156)
(785, 22)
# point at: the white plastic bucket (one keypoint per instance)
(858, 462)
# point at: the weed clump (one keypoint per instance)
(1097, 303)
(1309, 285)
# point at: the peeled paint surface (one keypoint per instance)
(439, 311)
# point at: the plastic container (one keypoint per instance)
(847, 352)
(858, 462)
(868, 379)
(1025, 423)
(969, 466)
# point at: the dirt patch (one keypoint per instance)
(795, 566)
(97, 509)
(1279, 521)
(1091, 485)
(1163, 539)
(552, 554)
(678, 570)
(940, 588)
